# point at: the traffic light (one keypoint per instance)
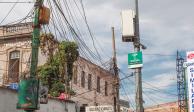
(28, 94)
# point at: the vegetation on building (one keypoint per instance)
(57, 72)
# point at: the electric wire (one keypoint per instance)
(158, 89)
(158, 54)
(28, 16)
(128, 96)
(154, 88)
(71, 29)
(94, 89)
(151, 99)
(88, 27)
(76, 37)
(16, 2)
(9, 12)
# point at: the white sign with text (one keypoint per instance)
(190, 72)
(99, 109)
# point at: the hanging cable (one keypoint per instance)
(9, 11)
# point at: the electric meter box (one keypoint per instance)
(128, 25)
(44, 17)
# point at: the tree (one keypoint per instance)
(57, 72)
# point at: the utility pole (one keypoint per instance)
(116, 87)
(138, 79)
(35, 39)
(28, 93)
(35, 43)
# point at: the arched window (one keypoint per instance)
(13, 70)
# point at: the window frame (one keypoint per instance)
(98, 84)
(89, 81)
(106, 88)
(83, 79)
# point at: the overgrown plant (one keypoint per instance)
(57, 72)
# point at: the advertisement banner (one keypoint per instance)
(190, 72)
(189, 65)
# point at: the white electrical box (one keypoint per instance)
(128, 25)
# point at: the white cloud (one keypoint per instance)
(161, 81)
(158, 65)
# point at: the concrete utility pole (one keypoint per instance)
(35, 42)
(28, 93)
(35, 39)
(116, 87)
(138, 79)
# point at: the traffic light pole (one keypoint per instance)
(138, 79)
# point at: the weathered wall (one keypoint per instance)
(18, 37)
(92, 98)
(8, 100)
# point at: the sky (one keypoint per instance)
(165, 27)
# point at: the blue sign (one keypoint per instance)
(13, 86)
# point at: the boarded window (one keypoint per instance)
(13, 70)
(106, 88)
(89, 82)
(98, 84)
(83, 79)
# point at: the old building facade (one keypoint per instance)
(15, 52)
(94, 82)
(93, 85)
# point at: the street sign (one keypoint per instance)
(105, 108)
(13, 86)
(135, 60)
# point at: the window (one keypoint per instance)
(83, 79)
(98, 84)
(15, 55)
(75, 74)
(13, 70)
(106, 88)
(89, 82)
